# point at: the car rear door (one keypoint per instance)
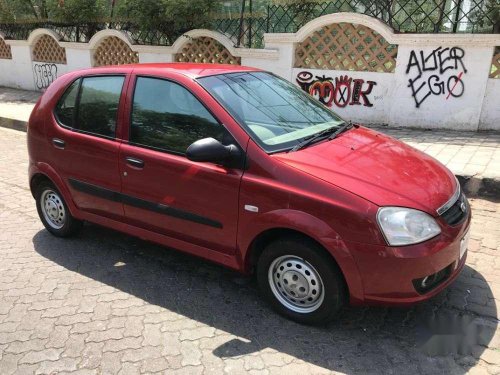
(86, 144)
(162, 190)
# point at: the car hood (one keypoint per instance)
(378, 168)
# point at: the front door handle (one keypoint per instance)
(134, 162)
(58, 143)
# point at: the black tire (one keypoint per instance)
(69, 226)
(335, 291)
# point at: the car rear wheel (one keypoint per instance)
(53, 211)
(301, 281)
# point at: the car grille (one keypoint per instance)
(457, 212)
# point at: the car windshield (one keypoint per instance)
(277, 114)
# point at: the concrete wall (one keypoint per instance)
(371, 105)
(17, 72)
(440, 80)
(447, 94)
(490, 113)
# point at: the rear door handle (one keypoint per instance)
(58, 143)
(134, 162)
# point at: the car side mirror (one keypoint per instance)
(211, 150)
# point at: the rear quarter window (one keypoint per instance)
(66, 107)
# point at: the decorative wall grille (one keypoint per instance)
(495, 64)
(5, 52)
(46, 49)
(346, 46)
(114, 51)
(206, 50)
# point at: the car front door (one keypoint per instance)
(162, 190)
(85, 145)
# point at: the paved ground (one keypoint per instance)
(473, 156)
(106, 303)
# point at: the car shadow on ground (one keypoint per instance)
(361, 340)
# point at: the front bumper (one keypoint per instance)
(388, 273)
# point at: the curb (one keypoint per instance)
(13, 124)
(472, 186)
(483, 187)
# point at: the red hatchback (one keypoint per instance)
(241, 167)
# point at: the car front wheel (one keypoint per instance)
(301, 281)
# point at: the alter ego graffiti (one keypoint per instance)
(342, 91)
(448, 67)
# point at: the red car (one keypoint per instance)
(241, 167)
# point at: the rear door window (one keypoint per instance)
(98, 105)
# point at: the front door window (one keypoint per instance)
(167, 117)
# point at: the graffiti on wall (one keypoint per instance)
(341, 91)
(448, 68)
(44, 75)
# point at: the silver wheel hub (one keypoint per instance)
(53, 209)
(296, 284)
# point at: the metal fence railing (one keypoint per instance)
(82, 32)
(409, 16)
(247, 27)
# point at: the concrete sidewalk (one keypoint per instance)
(474, 157)
(16, 106)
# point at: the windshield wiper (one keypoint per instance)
(343, 128)
(331, 132)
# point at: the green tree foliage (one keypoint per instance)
(6, 13)
(53, 10)
(421, 16)
(160, 14)
(20, 10)
(170, 16)
(78, 10)
(490, 16)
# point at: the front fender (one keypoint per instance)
(308, 225)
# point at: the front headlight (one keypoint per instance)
(406, 226)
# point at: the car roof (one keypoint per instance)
(192, 70)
